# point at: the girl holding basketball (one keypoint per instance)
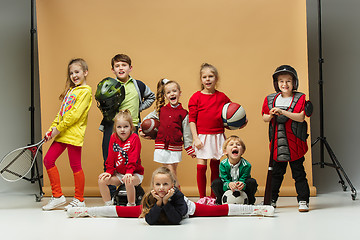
(123, 164)
(166, 204)
(174, 130)
(206, 125)
(68, 130)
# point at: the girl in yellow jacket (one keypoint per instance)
(68, 130)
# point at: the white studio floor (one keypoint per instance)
(332, 216)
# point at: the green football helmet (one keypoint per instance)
(109, 95)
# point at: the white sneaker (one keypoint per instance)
(263, 210)
(303, 206)
(75, 203)
(75, 212)
(54, 203)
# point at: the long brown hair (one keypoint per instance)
(160, 93)
(69, 84)
(148, 200)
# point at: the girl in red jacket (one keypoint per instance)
(174, 130)
(206, 125)
(123, 164)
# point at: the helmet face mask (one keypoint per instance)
(109, 95)
(285, 69)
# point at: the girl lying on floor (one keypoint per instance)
(165, 204)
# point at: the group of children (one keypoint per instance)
(200, 130)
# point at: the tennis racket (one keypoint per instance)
(18, 163)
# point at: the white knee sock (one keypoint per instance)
(239, 209)
(104, 211)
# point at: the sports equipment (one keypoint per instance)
(109, 95)
(120, 196)
(150, 127)
(267, 194)
(17, 164)
(236, 197)
(285, 69)
(233, 116)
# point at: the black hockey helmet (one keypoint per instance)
(282, 70)
(109, 95)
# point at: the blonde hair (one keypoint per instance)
(235, 138)
(160, 93)
(126, 115)
(212, 69)
(148, 200)
(69, 84)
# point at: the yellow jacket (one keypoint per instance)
(71, 120)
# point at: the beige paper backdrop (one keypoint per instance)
(245, 40)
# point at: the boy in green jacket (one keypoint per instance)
(234, 171)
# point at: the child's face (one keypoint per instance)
(122, 71)
(208, 79)
(123, 128)
(172, 93)
(285, 83)
(234, 150)
(77, 74)
(162, 184)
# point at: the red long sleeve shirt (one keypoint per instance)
(124, 156)
(205, 112)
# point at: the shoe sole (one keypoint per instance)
(303, 210)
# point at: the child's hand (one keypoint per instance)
(168, 195)
(198, 144)
(232, 186)
(127, 179)
(276, 111)
(193, 155)
(143, 135)
(240, 186)
(54, 132)
(103, 176)
(157, 197)
(48, 136)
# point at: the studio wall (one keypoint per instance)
(245, 40)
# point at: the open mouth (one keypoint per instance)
(235, 151)
(172, 98)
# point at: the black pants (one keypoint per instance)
(298, 174)
(250, 190)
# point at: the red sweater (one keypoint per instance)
(205, 111)
(124, 157)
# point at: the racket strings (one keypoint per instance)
(16, 164)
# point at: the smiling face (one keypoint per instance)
(122, 128)
(162, 184)
(208, 80)
(286, 84)
(234, 150)
(77, 74)
(122, 71)
(172, 93)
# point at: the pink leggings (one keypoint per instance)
(57, 148)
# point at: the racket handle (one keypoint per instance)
(48, 135)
